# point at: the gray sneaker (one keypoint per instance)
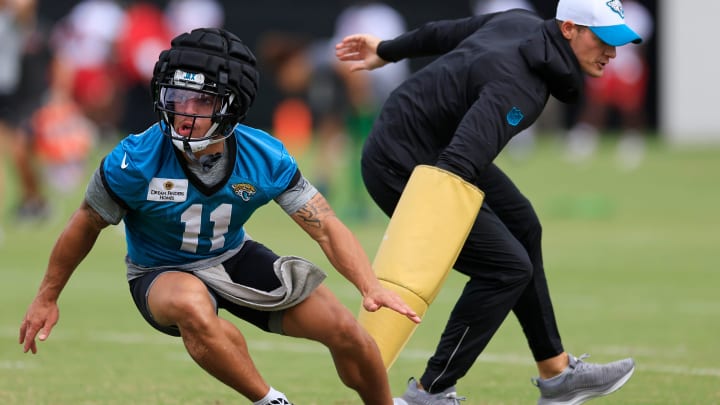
(582, 381)
(415, 396)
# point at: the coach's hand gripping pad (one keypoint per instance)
(422, 241)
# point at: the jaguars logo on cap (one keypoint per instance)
(616, 6)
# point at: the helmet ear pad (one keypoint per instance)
(219, 55)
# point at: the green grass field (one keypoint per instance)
(631, 258)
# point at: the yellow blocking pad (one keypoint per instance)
(422, 241)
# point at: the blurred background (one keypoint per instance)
(312, 19)
(77, 73)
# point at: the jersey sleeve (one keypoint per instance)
(266, 158)
(98, 197)
(296, 195)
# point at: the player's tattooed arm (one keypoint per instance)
(313, 214)
(340, 246)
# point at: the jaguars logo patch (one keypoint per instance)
(617, 7)
(244, 190)
(514, 116)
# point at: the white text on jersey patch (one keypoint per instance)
(169, 190)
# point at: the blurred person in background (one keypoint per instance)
(184, 189)
(367, 91)
(622, 90)
(315, 103)
(63, 141)
(186, 15)
(24, 60)
(85, 68)
(144, 33)
(429, 165)
(379, 19)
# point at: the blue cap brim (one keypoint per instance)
(616, 35)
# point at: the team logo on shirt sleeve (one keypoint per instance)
(514, 116)
(167, 190)
(244, 190)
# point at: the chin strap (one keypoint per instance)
(187, 150)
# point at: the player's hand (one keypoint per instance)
(361, 49)
(38, 322)
(382, 297)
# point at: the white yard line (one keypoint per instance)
(313, 348)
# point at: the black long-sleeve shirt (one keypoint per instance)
(492, 79)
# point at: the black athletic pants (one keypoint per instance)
(503, 259)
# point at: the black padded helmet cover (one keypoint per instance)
(224, 60)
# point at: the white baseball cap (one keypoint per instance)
(605, 18)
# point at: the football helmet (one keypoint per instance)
(206, 73)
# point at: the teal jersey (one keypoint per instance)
(172, 218)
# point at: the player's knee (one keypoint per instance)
(518, 272)
(347, 332)
(192, 310)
